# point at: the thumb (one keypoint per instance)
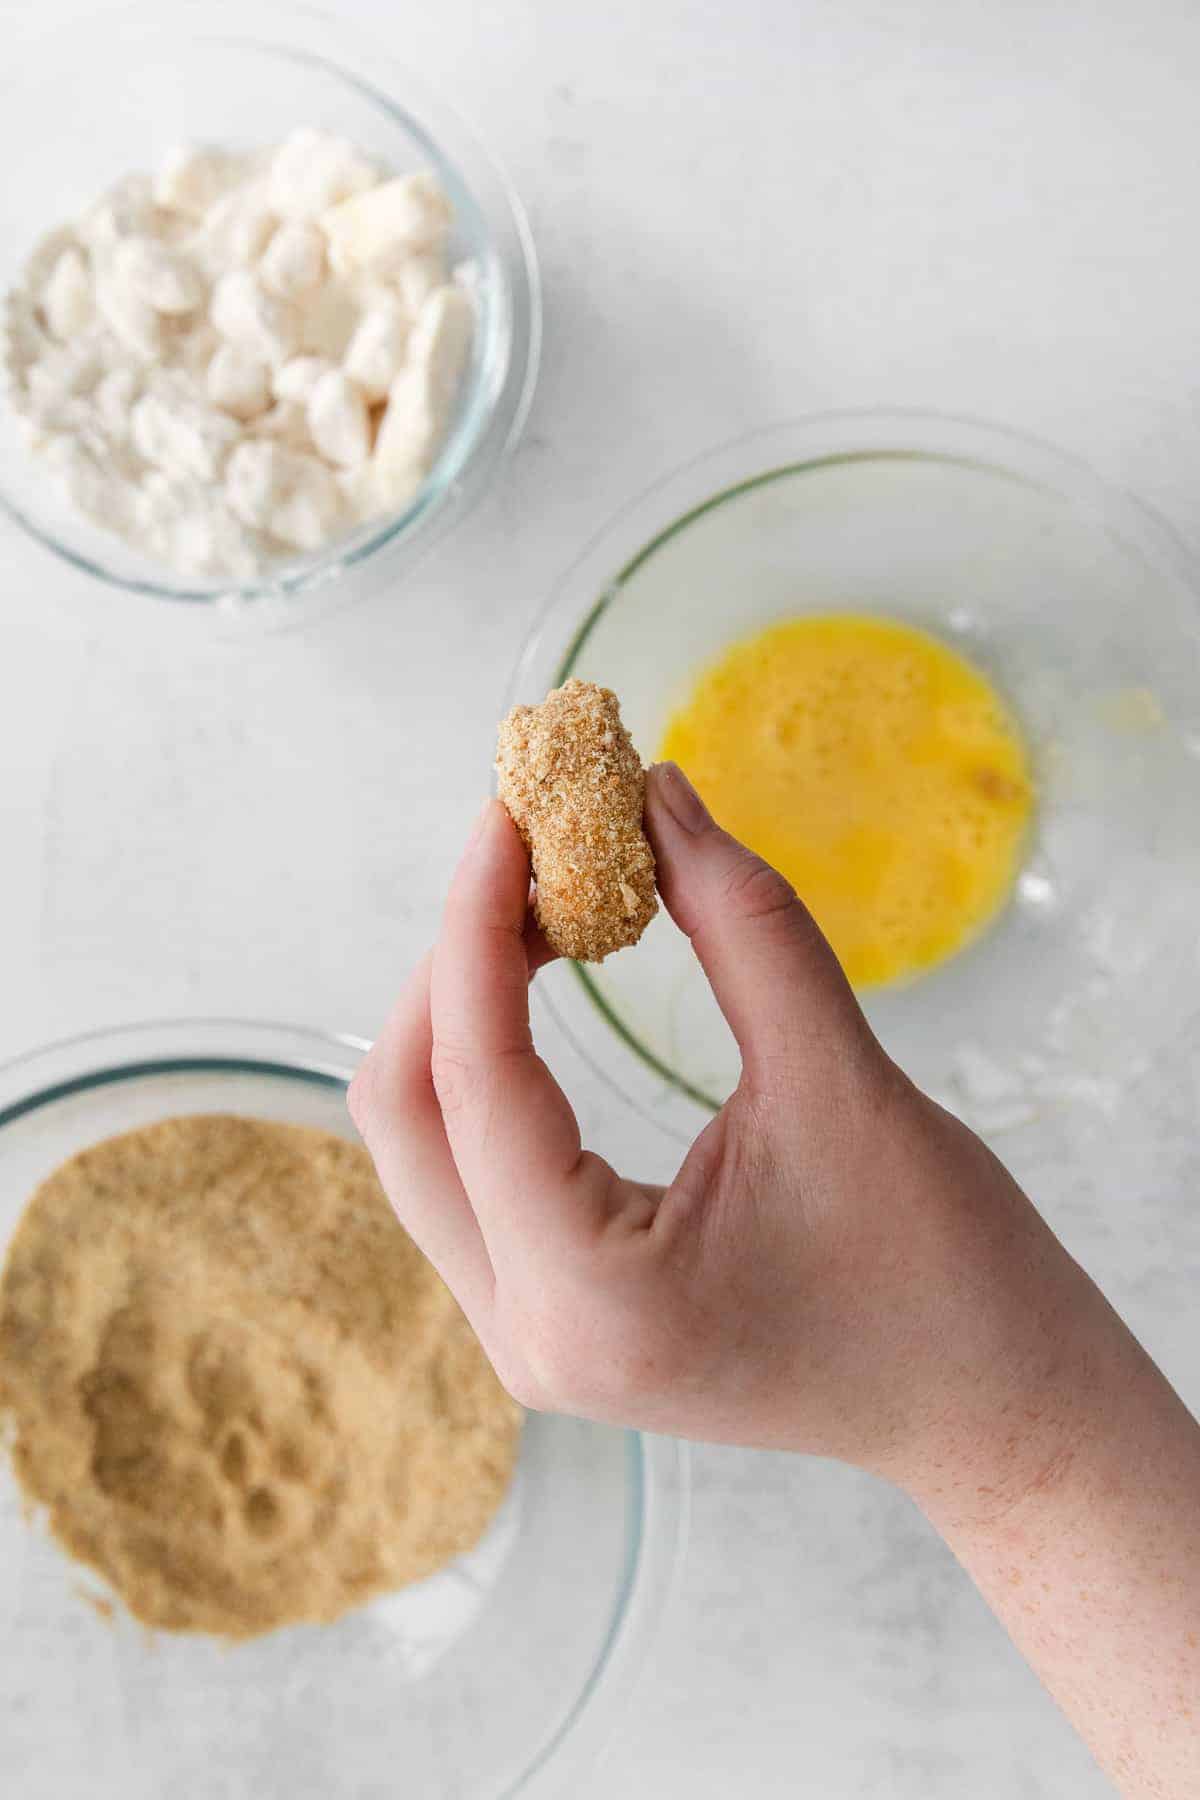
(775, 978)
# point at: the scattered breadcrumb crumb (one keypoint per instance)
(574, 785)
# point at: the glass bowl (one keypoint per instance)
(244, 75)
(1079, 604)
(498, 1676)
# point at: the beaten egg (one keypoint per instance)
(877, 769)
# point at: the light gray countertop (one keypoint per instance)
(743, 213)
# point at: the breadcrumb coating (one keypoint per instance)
(574, 786)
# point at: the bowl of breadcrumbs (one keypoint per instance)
(264, 1504)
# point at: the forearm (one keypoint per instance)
(1090, 1557)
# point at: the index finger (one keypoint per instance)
(511, 1130)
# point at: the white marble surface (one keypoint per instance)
(743, 214)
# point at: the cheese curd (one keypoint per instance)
(244, 355)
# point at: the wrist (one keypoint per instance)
(1012, 1346)
(1011, 1441)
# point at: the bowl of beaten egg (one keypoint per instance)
(947, 682)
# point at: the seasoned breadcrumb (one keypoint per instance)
(574, 785)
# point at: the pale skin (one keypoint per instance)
(839, 1268)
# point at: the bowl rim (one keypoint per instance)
(670, 504)
(504, 369)
(88, 1060)
(657, 1490)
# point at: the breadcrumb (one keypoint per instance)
(574, 786)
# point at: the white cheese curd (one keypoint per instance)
(243, 355)
(441, 342)
(113, 398)
(418, 277)
(194, 177)
(238, 381)
(313, 170)
(294, 260)
(374, 232)
(328, 318)
(125, 209)
(338, 421)
(235, 231)
(292, 496)
(375, 354)
(174, 431)
(421, 400)
(131, 320)
(285, 423)
(296, 378)
(156, 274)
(245, 314)
(67, 298)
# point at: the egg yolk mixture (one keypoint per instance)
(875, 768)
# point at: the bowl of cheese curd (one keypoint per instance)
(269, 308)
(949, 684)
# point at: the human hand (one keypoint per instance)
(838, 1267)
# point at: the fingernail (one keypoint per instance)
(681, 799)
(477, 828)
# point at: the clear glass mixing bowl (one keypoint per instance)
(86, 103)
(1083, 609)
(499, 1676)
